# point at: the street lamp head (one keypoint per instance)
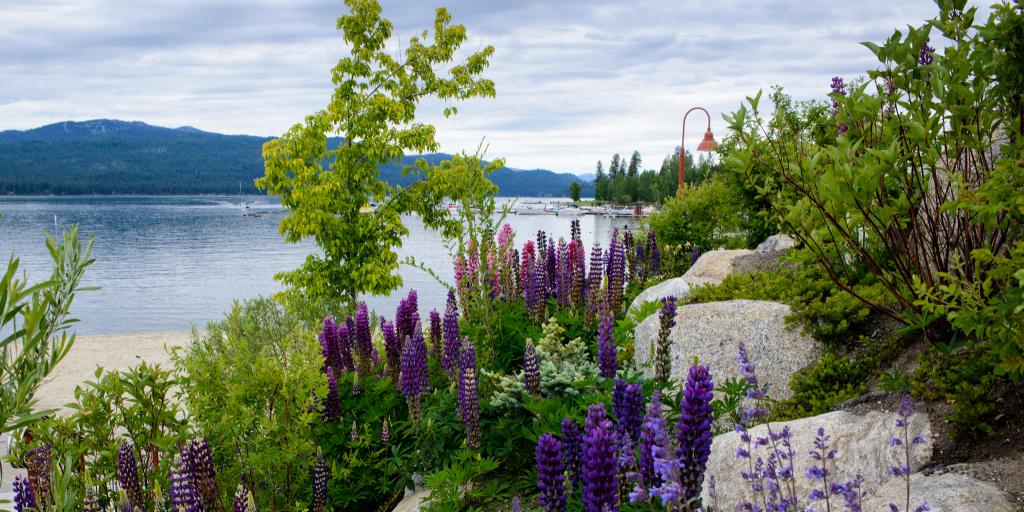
(708, 144)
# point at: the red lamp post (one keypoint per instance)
(708, 144)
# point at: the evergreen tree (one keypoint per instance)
(574, 191)
(600, 183)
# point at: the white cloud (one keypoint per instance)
(577, 80)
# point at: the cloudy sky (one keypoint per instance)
(576, 80)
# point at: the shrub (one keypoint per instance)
(831, 381)
(963, 377)
(705, 216)
(251, 386)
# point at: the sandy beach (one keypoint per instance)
(110, 351)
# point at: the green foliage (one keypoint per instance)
(574, 191)
(373, 109)
(459, 487)
(136, 406)
(706, 216)
(732, 395)
(874, 195)
(626, 326)
(828, 313)
(831, 381)
(963, 377)
(629, 183)
(510, 326)
(251, 386)
(34, 325)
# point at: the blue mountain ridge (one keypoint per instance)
(109, 156)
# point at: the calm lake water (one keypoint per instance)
(168, 263)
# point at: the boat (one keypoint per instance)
(568, 211)
(532, 209)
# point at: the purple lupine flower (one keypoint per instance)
(243, 501)
(627, 467)
(531, 369)
(414, 378)
(182, 491)
(905, 412)
(469, 399)
(600, 463)
(39, 463)
(436, 338)
(594, 278)
(666, 466)
(607, 350)
(578, 278)
(756, 394)
(572, 451)
(663, 358)
(823, 456)
(329, 343)
(493, 275)
(406, 316)
(694, 433)
(344, 347)
(197, 463)
(838, 87)
(528, 256)
(128, 475)
(562, 275)
(853, 493)
(319, 485)
(516, 502)
(542, 244)
(24, 496)
(550, 474)
(574, 231)
(451, 338)
(628, 405)
(616, 273)
(654, 253)
(694, 256)
(332, 406)
(925, 58)
(540, 298)
(363, 341)
(392, 348)
(653, 423)
(551, 271)
(91, 502)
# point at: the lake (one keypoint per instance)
(168, 263)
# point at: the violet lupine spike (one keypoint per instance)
(756, 394)
(128, 475)
(461, 278)
(596, 413)
(542, 244)
(39, 464)
(594, 279)
(406, 316)
(640, 262)
(344, 347)
(392, 348)
(436, 338)
(654, 422)
(574, 231)
(551, 271)
(243, 501)
(329, 343)
(24, 495)
(197, 465)
(838, 87)
(516, 502)
(607, 350)
(663, 357)
(527, 258)
(493, 277)
(550, 474)
(182, 491)
(363, 341)
(469, 399)
(616, 272)
(414, 378)
(578, 278)
(694, 256)
(562, 274)
(600, 466)
(694, 432)
(823, 456)
(572, 451)
(628, 405)
(531, 370)
(905, 443)
(319, 481)
(91, 502)
(654, 252)
(925, 57)
(332, 406)
(452, 340)
(540, 300)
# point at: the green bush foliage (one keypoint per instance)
(707, 216)
(251, 386)
(833, 380)
(961, 375)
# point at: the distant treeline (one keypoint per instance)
(627, 182)
(118, 157)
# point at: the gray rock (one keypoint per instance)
(412, 501)
(862, 448)
(713, 331)
(677, 287)
(776, 243)
(710, 268)
(948, 492)
(713, 266)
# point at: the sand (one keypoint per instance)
(110, 351)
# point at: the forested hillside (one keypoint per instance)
(119, 157)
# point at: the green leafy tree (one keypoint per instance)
(574, 191)
(600, 183)
(373, 110)
(34, 323)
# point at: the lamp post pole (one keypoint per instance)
(708, 144)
